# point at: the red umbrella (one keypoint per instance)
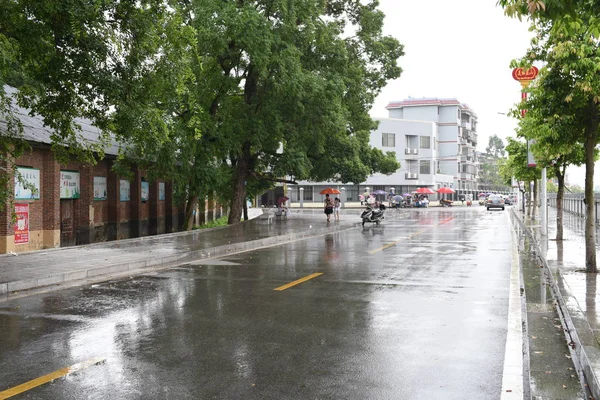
(330, 191)
(446, 190)
(282, 199)
(424, 190)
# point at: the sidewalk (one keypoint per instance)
(574, 291)
(106, 260)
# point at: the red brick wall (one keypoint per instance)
(38, 214)
(93, 218)
(100, 206)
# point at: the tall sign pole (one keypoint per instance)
(525, 76)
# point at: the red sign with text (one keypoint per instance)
(22, 224)
(521, 74)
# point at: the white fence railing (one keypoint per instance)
(573, 203)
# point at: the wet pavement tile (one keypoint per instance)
(552, 372)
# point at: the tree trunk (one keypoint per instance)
(559, 204)
(590, 214)
(522, 191)
(245, 210)
(535, 199)
(239, 186)
(202, 211)
(529, 198)
(191, 205)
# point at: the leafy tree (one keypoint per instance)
(218, 96)
(489, 177)
(65, 58)
(495, 147)
(566, 41)
(576, 189)
(291, 91)
(516, 166)
(552, 133)
(566, 15)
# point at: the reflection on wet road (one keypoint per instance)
(414, 308)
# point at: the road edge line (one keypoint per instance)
(512, 373)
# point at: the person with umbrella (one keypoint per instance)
(282, 210)
(328, 204)
(445, 190)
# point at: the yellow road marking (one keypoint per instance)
(387, 246)
(299, 281)
(49, 378)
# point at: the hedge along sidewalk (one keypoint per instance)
(573, 290)
(99, 261)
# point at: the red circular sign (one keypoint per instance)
(521, 74)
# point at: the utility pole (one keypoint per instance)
(543, 207)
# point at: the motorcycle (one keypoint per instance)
(373, 214)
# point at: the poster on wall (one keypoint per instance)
(29, 186)
(124, 190)
(22, 224)
(161, 190)
(99, 188)
(69, 185)
(145, 191)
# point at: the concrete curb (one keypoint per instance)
(572, 319)
(151, 263)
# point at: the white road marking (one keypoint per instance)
(512, 377)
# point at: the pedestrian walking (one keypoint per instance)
(337, 205)
(328, 207)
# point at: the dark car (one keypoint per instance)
(494, 201)
(507, 201)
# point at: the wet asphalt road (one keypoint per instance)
(415, 308)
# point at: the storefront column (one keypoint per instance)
(114, 210)
(50, 197)
(7, 241)
(169, 223)
(136, 202)
(85, 223)
(153, 200)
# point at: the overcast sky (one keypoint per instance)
(460, 49)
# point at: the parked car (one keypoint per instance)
(507, 201)
(494, 201)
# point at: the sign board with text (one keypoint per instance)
(22, 224)
(28, 186)
(124, 190)
(69, 185)
(100, 188)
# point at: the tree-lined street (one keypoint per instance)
(414, 308)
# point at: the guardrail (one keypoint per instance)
(573, 203)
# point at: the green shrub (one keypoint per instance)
(213, 224)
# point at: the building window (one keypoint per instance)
(425, 167)
(388, 140)
(308, 193)
(425, 142)
(352, 193)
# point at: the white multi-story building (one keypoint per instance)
(434, 141)
(457, 135)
